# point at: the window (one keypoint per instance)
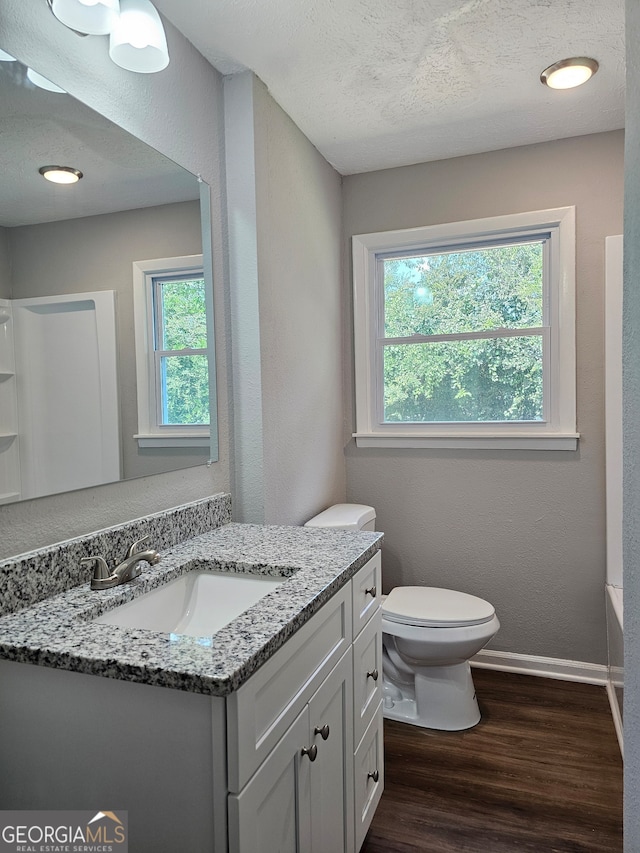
(464, 334)
(171, 352)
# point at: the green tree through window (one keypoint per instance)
(463, 337)
(181, 343)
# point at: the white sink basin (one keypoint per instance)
(197, 603)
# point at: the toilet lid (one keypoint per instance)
(431, 606)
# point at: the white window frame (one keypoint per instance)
(558, 431)
(151, 433)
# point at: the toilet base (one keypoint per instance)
(443, 698)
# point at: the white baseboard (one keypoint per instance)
(564, 670)
(615, 713)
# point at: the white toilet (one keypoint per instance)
(429, 635)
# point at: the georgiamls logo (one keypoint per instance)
(63, 831)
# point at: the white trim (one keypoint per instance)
(617, 716)
(559, 426)
(150, 433)
(613, 404)
(563, 670)
(177, 440)
(471, 442)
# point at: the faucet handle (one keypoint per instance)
(133, 548)
(101, 570)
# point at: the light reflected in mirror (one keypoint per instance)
(70, 400)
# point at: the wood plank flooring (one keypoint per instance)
(540, 773)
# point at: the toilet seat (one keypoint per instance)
(434, 607)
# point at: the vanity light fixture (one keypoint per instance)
(568, 73)
(42, 82)
(138, 41)
(91, 17)
(60, 174)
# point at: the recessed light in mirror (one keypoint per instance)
(60, 174)
(42, 82)
(568, 73)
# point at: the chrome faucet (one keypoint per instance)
(126, 571)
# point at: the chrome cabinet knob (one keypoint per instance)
(375, 775)
(323, 732)
(373, 674)
(310, 751)
(372, 591)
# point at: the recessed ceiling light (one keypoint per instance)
(568, 73)
(6, 57)
(60, 174)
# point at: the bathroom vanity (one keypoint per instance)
(264, 736)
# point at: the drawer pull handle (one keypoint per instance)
(323, 732)
(375, 775)
(373, 674)
(372, 591)
(311, 752)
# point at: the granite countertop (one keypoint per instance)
(57, 632)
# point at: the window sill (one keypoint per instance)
(564, 441)
(184, 440)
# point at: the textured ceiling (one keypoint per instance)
(39, 128)
(375, 84)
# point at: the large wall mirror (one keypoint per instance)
(106, 349)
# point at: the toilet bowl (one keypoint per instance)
(429, 635)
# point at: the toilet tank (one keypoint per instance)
(345, 517)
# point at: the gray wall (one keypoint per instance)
(525, 530)
(96, 253)
(179, 112)
(299, 206)
(284, 205)
(5, 269)
(631, 435)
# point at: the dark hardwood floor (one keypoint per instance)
(540, 773)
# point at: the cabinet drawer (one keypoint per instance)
(260, 711)
(367, 591)
(369, 776)
(367, 675)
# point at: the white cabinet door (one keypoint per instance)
(367, 675)
(272, 813)
(301, 798)
(369, 776)
(331, 730)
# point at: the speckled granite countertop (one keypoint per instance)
(58, 632)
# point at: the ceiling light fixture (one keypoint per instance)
(60, 174)
(42, 82)
(138, 41)
(92, 17)
(568, 73)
